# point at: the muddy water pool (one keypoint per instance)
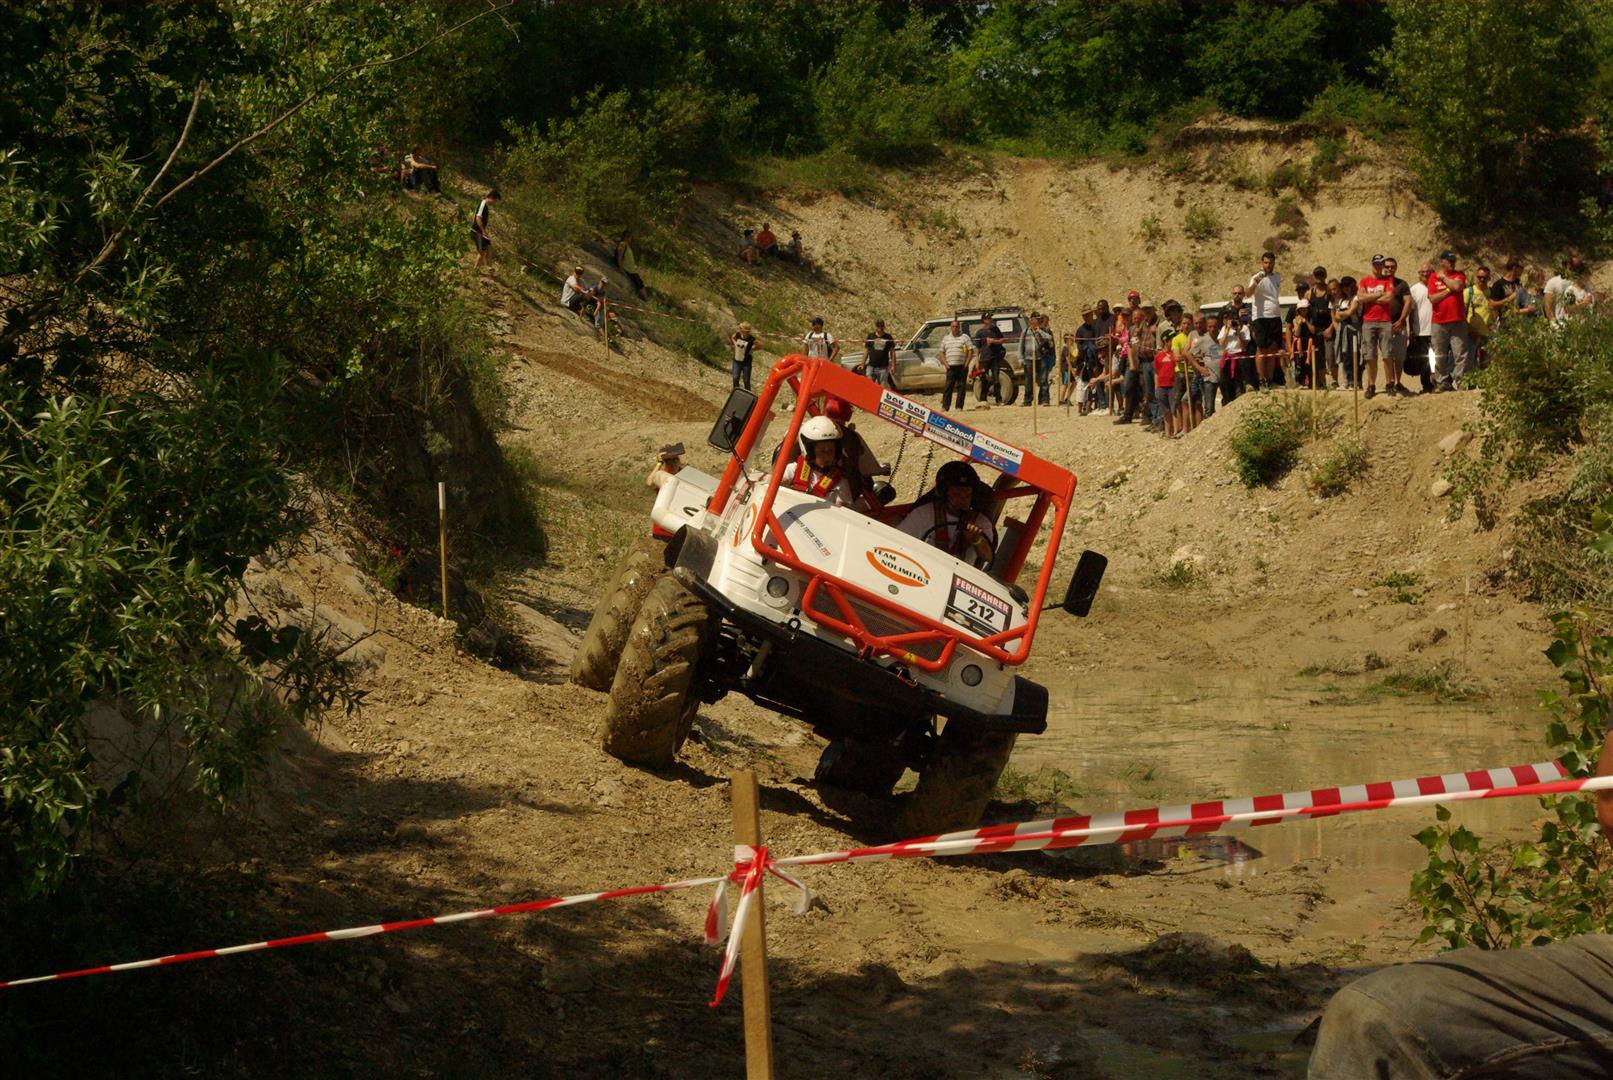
(1138, 740)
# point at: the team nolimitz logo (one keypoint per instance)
(898, 567)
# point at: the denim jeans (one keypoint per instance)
(881, 376)
(1203, 391)
(1044, 374)
(740, 370)
(1154, 414)
(1545, 1011)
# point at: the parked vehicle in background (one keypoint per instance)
(916, 367)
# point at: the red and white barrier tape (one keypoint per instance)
(370, 931)
(1547, 778)
(751, 864)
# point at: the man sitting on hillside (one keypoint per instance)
(766, 242)
(574, 294)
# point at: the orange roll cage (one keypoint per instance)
(1034, 476)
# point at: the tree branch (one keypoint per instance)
(351, 69)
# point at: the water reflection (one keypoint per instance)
(1133, 742)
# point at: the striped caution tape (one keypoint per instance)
(752, 864)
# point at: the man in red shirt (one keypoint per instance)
(1377, 326)
(1449, 336)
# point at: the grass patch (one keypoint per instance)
(1150, 232)
(1330, 667)
(1201, 223)
(1404, 587)
(1343, 464)
(1266, 443)
(1441, 681)
(1048, 788)
(1181, 575)
(828, 171)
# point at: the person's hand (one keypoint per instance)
(972, 533)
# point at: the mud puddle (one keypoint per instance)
(1135, 742)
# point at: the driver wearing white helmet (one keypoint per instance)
(819, 470)
(949, 516)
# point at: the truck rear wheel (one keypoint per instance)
(601, 647)
(956, 783)
(652, 699)
(870, 766)
(1007, 385)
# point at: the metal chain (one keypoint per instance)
(924, 477)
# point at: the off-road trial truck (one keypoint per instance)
(831, 614)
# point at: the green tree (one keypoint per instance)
(1495, 94)
(209, 297)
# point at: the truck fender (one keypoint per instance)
(693, 550)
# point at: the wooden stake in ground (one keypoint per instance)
(1467, 593)
(604, 323)
(753, 945)
(1355, 385)
(442, 540)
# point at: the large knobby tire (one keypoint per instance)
(871, 766)
(652, 699)
(1006, 385)
(600, 650)
(956, 783)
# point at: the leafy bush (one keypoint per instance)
(623, 161)
(1546, 425)
(1266, 442)
(1343, 464)
(1404, 587)
(1506, 894)
(878, 98)
(125, 526)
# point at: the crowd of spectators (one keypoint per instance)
(1168, 367)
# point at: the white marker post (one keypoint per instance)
(442, 540)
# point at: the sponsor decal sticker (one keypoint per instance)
(900, 568)
(902, 412)
(999, 455)
(976, 608)
(950, 433)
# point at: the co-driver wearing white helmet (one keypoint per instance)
(818, 469)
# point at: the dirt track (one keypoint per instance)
(461, 785)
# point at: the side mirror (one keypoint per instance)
(1084, 583)
(732, 420)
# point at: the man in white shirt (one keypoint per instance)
(1567, 293)
(819, 343)
(1420, 323)
(955, 350)
(1266, 324)
(573, 294)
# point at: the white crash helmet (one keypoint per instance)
(818, 429)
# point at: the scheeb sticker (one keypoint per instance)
(975, 608)
(898, 567)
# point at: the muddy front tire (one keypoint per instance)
(652, 699)
(956, 783)
(600, 650)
